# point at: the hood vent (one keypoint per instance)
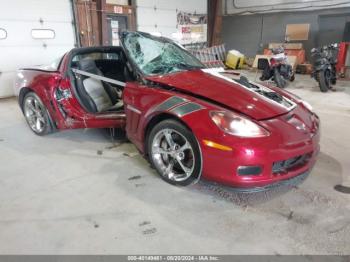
(266, 92)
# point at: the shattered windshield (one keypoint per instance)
(157, 57)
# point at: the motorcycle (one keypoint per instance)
(324, 62)
(278, 68)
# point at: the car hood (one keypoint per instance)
(254, 100)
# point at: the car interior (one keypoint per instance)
(95, 95)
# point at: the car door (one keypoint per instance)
(73, 113)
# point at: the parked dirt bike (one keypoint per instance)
(278, 69)
(324, 62)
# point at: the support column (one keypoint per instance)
(214, 22)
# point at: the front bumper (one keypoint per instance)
(290, 182)
(285, 144)
(224, 169)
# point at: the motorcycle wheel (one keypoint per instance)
(279, 80)
(324, 80)
(292, 78)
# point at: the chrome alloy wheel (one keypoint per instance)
(34, 113)
(173, 155)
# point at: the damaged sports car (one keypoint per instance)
(190, 122)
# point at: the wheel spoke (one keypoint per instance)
(41, 119)
(36, 106)
(31, 119)
(169, 170)
(38, 124)
(29, 105)
(170, 166)
(169, 138)
(29, 113)
(159, 150)
(183, 167)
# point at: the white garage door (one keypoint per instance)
(159, 16)
(32, 32)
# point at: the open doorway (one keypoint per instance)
(116, 24)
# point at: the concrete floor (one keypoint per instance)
(58, 195)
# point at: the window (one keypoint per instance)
(43, 33)
(3, 34)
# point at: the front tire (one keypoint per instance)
(174, 152)
(279, 80)
(36, 114)
(324, 80)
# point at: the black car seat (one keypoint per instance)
(97, 95)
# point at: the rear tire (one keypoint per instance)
(36, 114)
(174, 152)
(324, 80)
(279, 80)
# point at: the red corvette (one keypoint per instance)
(189, 121)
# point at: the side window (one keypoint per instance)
(43, 34)
(3, 34)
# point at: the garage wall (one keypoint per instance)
(160, 15)
(264, 6)
(19, 48)
(251, 33)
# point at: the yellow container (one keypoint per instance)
(234, 59)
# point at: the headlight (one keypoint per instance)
(237, 125)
